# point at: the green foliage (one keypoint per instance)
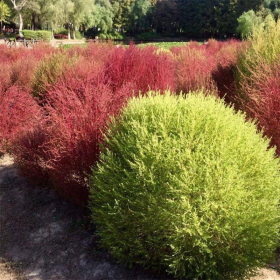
(5, 13)
(192, 18)
(187, 185)
(247, 21)
(78, 35)
(37, 35)
(164, 45)
(250, 22)
(264, 48)
(60, 30)
(102, 15)
(49, 70)
(111, 36)
(148, 36)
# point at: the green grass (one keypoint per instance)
(165, 45)
(69, 46)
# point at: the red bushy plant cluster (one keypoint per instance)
(78, 109)
(262, 99)
(193, 70)
(18, 110)
(57, 140)
(18, 65)
(224, 71)
(208, 66)
(18, 113)
(142, 68)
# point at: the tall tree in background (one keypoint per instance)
(102, 15)
(122, 11)
(81, 12)
(5, 13)
(18, 6)
(139, 15)
(166, 16)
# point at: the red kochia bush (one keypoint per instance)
(78, 109)
(143, 69)
(17, 64)
(18, 112)
(29, 152)
(207, 66)
(223, 73)
(193, 70)
(263, 99)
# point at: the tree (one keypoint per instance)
(122, 12)
(166, 16)
(18, 6)
(82, 10)
(102, 15)
(138, 18)
(5, 13)
(250, 20)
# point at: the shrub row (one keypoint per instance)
(37, 35)
(67, 78)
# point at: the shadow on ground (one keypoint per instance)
(43, 237)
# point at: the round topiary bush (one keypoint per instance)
(187, 185)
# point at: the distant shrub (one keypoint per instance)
(187, 185)
(60, 36)
(37, 35)
(49, 70)
(111, 36)
(148, 36)
(61, 30)
(143, 69)
(78, 35)
(250, 21)
(103, 36)
(193, 70)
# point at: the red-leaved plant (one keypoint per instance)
(262, 99)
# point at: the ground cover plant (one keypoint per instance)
(176, 188)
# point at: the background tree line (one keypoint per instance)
(190, 18)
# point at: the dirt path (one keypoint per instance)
(43, 237)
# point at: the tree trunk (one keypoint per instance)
(33, 25)
(0, 26)
(20, 23)
(69, 33)
(74, 33)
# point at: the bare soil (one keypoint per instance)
(43, 237)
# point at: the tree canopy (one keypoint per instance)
(191, 18)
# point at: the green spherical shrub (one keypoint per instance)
(186, 185)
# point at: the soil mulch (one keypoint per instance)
(43, 237)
